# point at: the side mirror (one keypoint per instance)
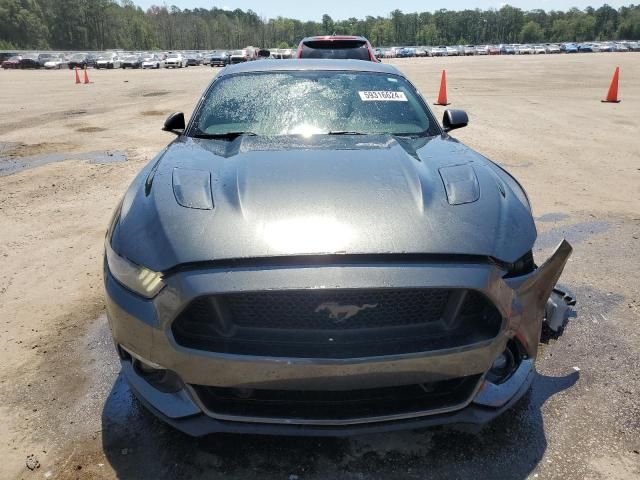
(264, 53)
(453, 119)
(174, 123)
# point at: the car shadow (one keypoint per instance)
(138, 445)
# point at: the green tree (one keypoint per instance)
(531, 33)
(105, 24)
(327, 24)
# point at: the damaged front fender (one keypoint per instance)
(529, 295)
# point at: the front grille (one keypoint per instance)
(331, 310)
(337, 405)
(329, 323)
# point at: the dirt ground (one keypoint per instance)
(65, 410)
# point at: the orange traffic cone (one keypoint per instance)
(442, 96)
(86, 75)
(612, 95)
(77, 76)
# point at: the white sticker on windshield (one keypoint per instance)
(382, 96)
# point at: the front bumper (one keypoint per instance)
(179, 411)
(143, 329)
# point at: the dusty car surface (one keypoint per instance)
(315, 255)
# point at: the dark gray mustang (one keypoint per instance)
(314, 255)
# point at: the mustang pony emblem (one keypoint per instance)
(340, 313)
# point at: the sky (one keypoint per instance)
(341, 9)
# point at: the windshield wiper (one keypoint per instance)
(344, 132)
(224, 136)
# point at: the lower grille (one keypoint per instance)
(336, 323)
(338, 405)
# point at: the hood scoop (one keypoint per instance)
(192, 188)
(460, 183)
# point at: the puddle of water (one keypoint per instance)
(153, 113)
(552, 217)
(155, 94)
(73, 113)
(10, 165)
(90, 129)
(576, 233)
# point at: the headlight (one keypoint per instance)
(137, 278)
(522, 266)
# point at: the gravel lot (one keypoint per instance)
(65, 410)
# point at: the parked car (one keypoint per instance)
(539, 49)
(453, 52)
(132, 61)
(406, 53)
(81, 60)
(421, 52)
(109, 61)
(440, 51)
(585, 48)
(12, 62)
(634, 46)
(276, 54)
(219, 58)
(175, 60)
(482, 50)
(569, 48)
(389, 53)
(336, 47)
(553, 48)
(194, 59)
(6, 56)
(296, 299)
(152, 61)
(507, 49)
(45, 57)
(524, 50)
(56, 62)
(469, 50)
(620, 47)
(29, 61)
(238, 56)
(494, 50)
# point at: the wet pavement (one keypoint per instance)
(583, 400)
(11, 164)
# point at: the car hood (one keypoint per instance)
(206, 200)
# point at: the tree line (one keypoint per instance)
(107, 24)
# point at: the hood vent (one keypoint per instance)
(192, 188)
(460, 183)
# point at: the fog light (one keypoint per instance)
(500, 363)
(503, 366)
(164, 380)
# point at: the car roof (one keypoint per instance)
(335, 37)
(310, 64)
